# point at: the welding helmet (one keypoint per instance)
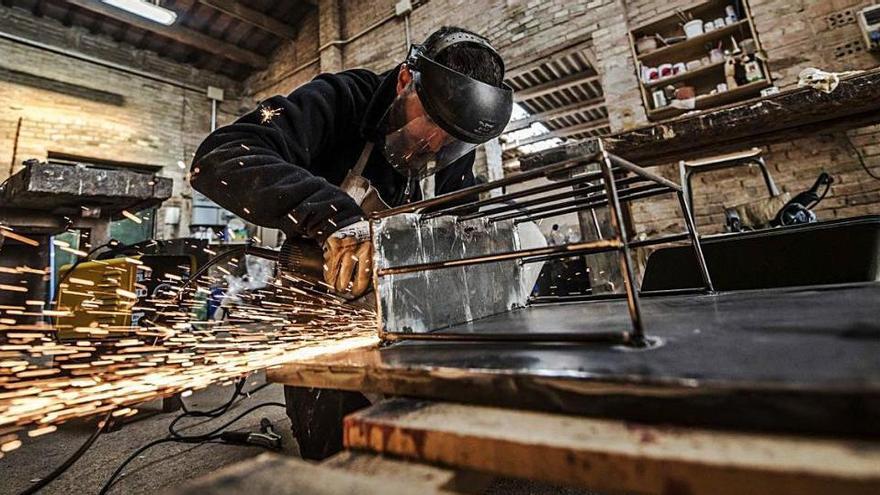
(442, 114)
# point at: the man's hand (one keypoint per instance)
(348, 260)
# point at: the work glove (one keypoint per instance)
(348, 260)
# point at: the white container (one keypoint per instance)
(693, 28)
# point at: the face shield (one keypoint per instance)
(415, 145)
(441, 116)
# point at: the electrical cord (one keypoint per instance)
(213, 413)
(111, 243)
(860, 157)
(102, 426)
(194, 439)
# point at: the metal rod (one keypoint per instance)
(634, 244)
(598, 337)
(632, 167)
(470, 191)
(585, 192)
(660, 240)
(596, 223)
(612, 296)
(568, 249)
(695, 241)
(658, 190)
(616, 216)
(213, 115)
(454, 210)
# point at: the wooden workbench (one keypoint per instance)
(781, 117)
(406, 446)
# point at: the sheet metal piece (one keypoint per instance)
(793, 359)
(423, 301)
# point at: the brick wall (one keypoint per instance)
(81, 108)
(795, 34)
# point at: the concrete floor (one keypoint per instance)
(159, 468)
(167, 465)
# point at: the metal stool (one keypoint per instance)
(749, 157)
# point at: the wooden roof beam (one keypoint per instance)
(548, 87)
(180, 34)
(253, 17)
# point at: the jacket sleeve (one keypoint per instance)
(260, 166)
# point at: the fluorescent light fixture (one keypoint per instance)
(145, 9)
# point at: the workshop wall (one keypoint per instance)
(71, 106)
(795, 33)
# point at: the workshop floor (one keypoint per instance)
(159, 468)
(167, 465)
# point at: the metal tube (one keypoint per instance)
(470, 191)
(543, 199)
(611, 296)
(695, 241)
(599, 337)
(519, 194)
(596, 223)
(100, 62)
(213, 115)
(660, 240)
(616, 215)
(632, 167)
(566, 250)
(655, 191)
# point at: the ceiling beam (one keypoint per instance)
(555, 113)
(548, 87)
(177, 33)
(565, 131)
(253, 17)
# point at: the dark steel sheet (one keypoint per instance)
(797, 359)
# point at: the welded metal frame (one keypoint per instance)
(588, 198)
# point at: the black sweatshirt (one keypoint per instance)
(279, 166)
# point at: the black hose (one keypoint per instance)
(102, 425)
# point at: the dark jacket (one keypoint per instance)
(282, 171)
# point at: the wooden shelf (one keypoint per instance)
(704, 78)
(677, 52)
(708, 101)
(685, 76)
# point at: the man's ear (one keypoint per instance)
(404, 77)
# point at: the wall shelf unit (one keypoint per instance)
(673, 47)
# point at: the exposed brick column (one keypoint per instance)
(616, 66)
(329, 30)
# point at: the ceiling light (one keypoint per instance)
(145, 9)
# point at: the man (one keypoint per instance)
(298, 163)
(295, 162)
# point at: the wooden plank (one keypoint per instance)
(613, 455)
(177, 33)
(252, 17)
(345, 473)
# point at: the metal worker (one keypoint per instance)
(300, 163)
